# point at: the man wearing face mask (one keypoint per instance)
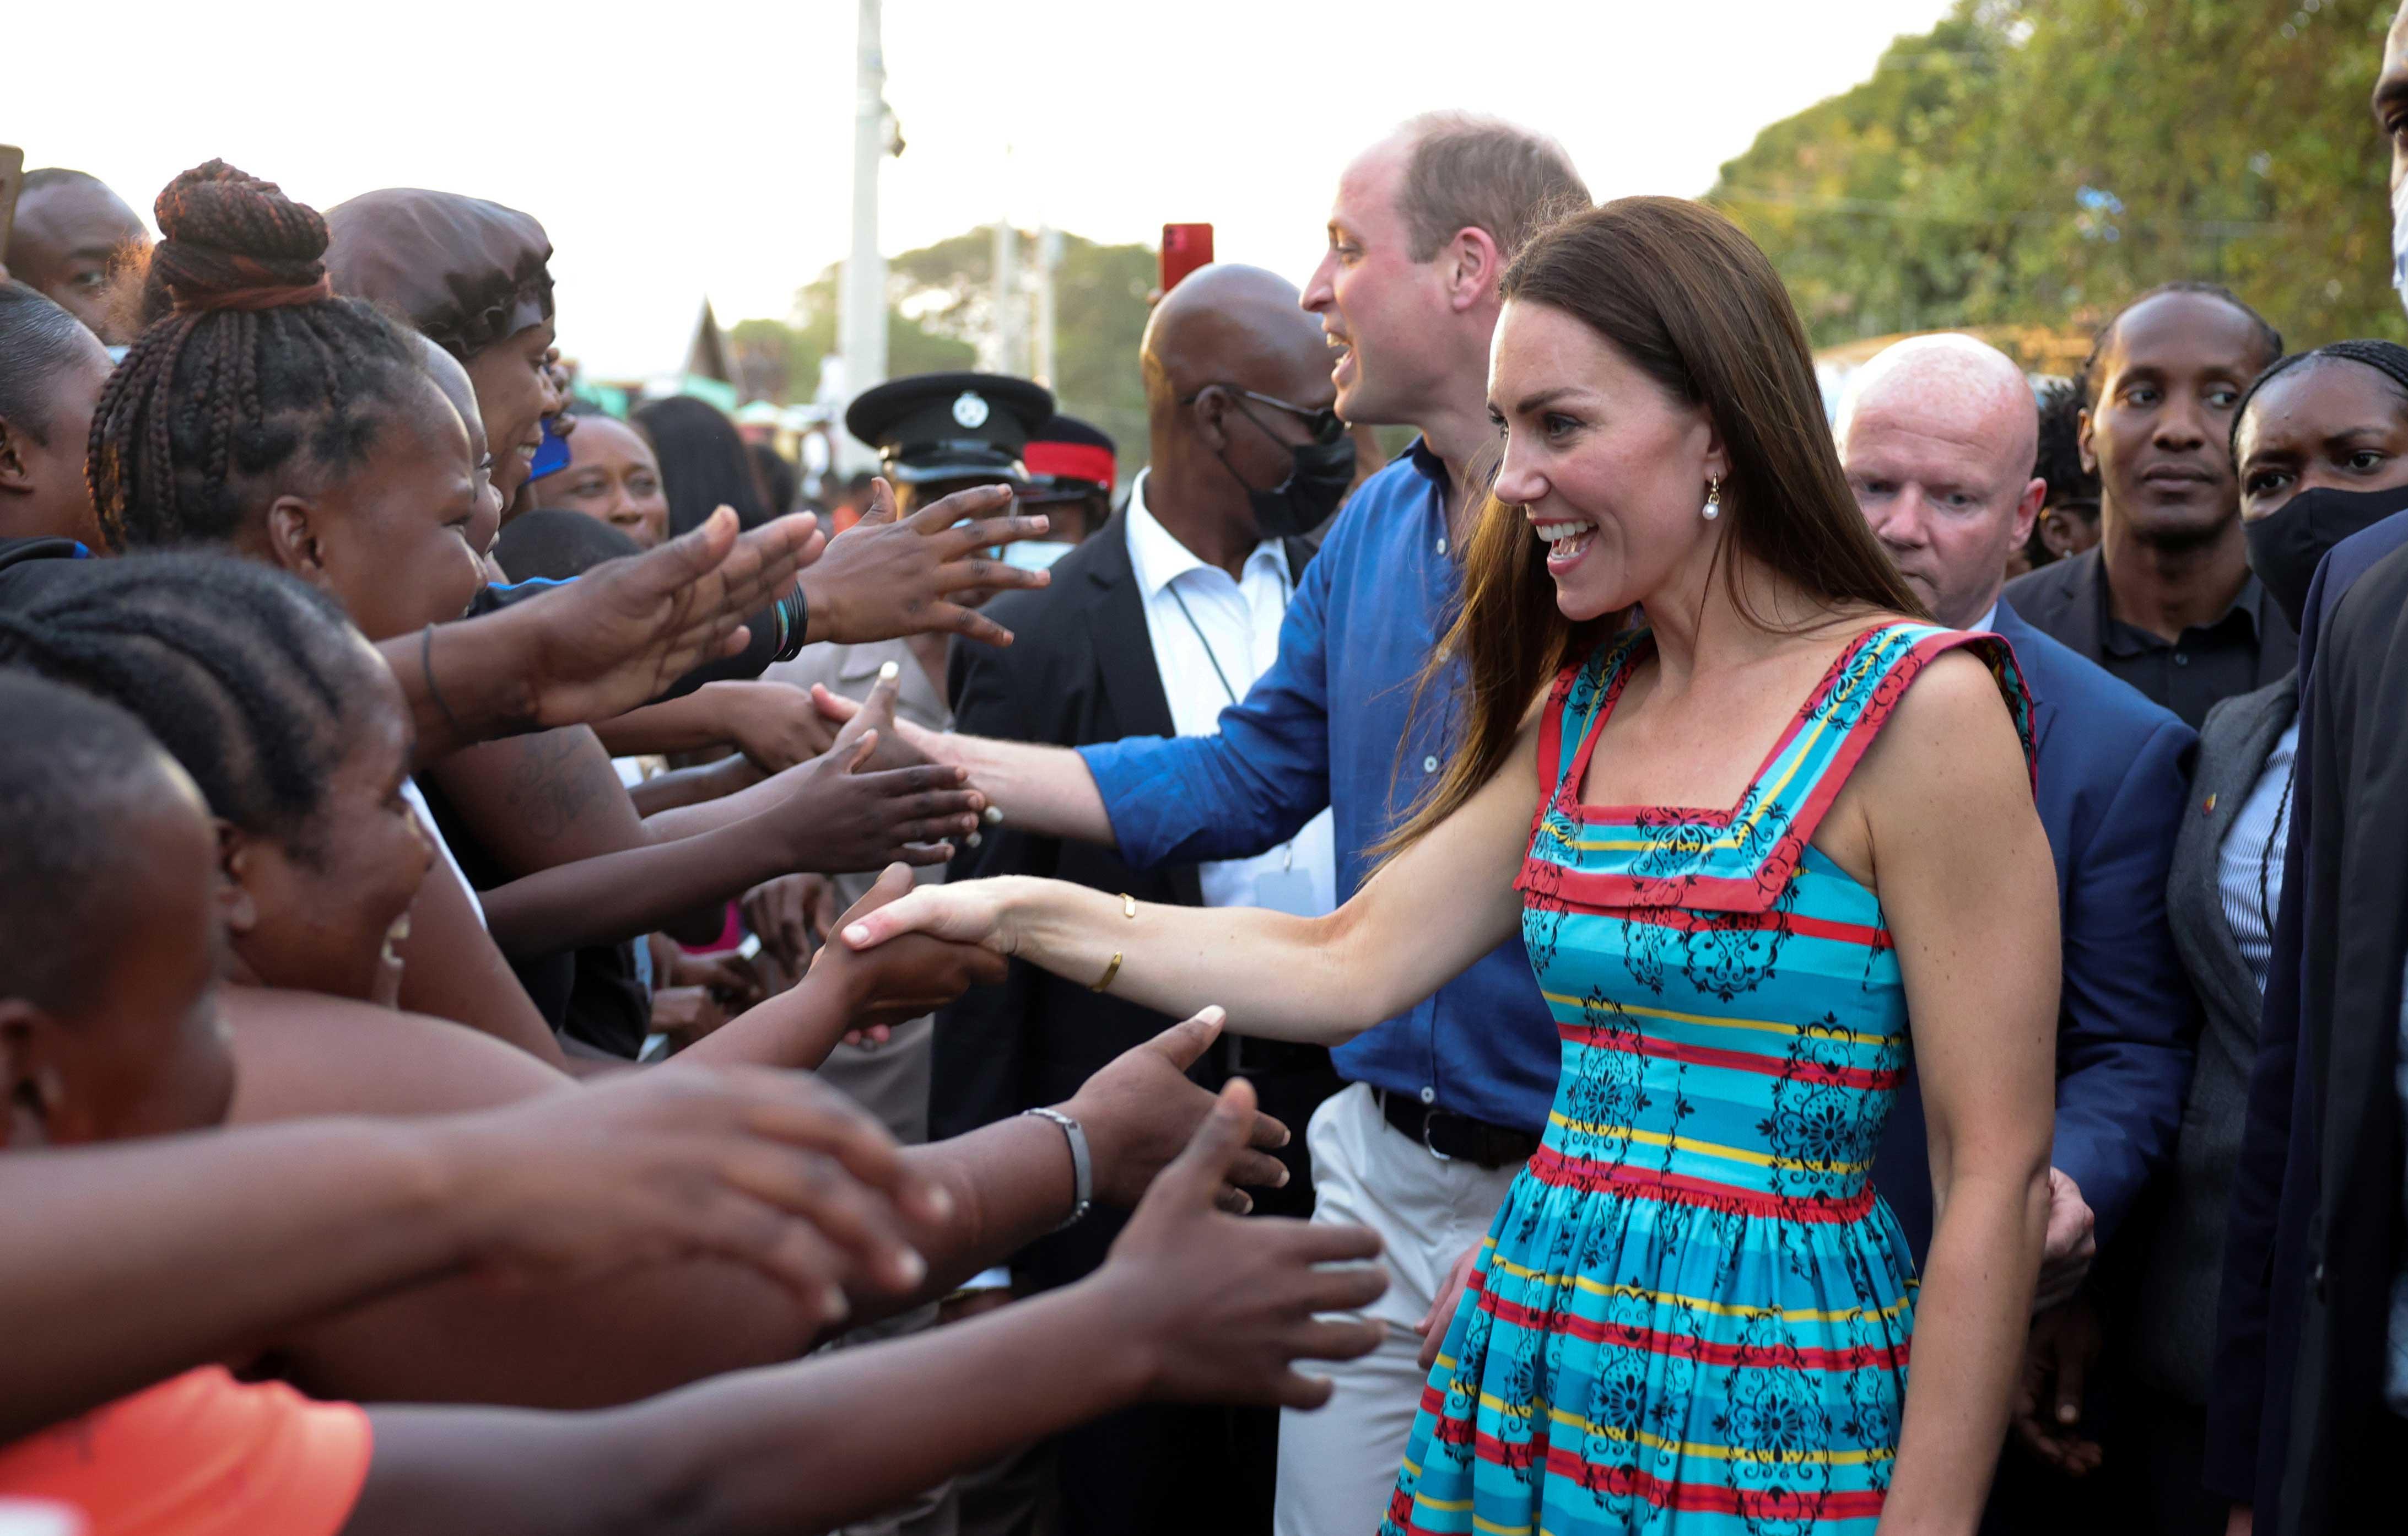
(1152, 626)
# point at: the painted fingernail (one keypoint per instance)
(994, 815)
(834, 1305)
(911, 1269)
(974, 839)
(857, 934)
(889, 672)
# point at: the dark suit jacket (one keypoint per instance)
(1080, 670)
(2302, 1317)
(2185, 1262)
(2064, 600)
(2112, 783)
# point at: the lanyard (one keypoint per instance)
(1287, 850)
(1210, 655)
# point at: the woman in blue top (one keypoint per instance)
(1756, 844)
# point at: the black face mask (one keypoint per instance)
(2285, 545)
(1324, 472)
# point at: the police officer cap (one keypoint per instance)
(935, 426)
(1070, 457)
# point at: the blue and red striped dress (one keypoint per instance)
(1691, 1313)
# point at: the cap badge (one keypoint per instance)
(970, 410)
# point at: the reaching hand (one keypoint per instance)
(2071, 1243)
(729, 978)
(898, 983)
(882, 579)
(842, 818)
(617, 635)
(908, 743)
(2063, 1345)
(772, 1169)
(1440, 1317)
(1225, 1307)
(773, 724)
(969, 911)
(1141, 1108)
(793, 914)
(686, 1014)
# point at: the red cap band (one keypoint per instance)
(1073, 461)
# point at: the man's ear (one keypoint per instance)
(16, 475)
(1212, 409)
(2082, 442)
(2027, 510)
(35, 1089)
(292, 541)
(238, 860)
(1474, 269)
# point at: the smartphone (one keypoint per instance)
(552, 455)
(12, 180)
(1184, 248)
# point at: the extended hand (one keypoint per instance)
(842, 818)
(772, 1169)
(1440, 1317)
(906, 744)
(773, 724)
(2071, 1244)
(882, 579)
(617, 635)
(900, 982)
(1141, 1108)
(2057, 1357)
(967, 911)
(794, 915)
(1225, 1307)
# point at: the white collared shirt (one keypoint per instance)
(1235, 624)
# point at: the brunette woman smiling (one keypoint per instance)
(1693, 1311)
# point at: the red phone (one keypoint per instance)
(1184, 248)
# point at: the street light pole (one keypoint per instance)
(861, 321)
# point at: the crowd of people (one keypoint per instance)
(1508, 989)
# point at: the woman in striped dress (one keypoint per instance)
(1758, 845)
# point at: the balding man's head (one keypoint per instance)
(1231, 325)
(1937, 435)
(1234, 371)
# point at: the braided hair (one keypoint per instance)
(2387, 358)
(252, 364)
(250, 678)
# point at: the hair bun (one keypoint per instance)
(233, 241)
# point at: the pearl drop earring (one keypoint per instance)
(1713, 508)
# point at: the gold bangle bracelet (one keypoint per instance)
(1128, 910)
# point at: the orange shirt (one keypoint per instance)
(200, 1454)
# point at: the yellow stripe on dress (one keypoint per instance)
(1768, 1027)
(1708, 1149)
(1688, 1303)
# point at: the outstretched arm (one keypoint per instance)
(1190, 1306)
(1966, 882)
(615, 639)
(1432, 911)
(127, 1264)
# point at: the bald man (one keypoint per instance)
(71, 233)
(1938, 435)
(1152, 628)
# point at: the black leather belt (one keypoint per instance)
(1252, 1057)
(1451, 1136)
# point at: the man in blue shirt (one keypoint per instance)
(1447, 1099)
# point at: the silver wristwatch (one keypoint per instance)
(1083, 1170)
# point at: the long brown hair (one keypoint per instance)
(1690, 300)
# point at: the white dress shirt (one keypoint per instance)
(1212, 638)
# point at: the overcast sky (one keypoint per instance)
(706, 149)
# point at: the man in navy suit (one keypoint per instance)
(1938, 435)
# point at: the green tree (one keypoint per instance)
(939, 301)
(2041, 160)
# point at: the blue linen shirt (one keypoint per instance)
(1333, 724)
